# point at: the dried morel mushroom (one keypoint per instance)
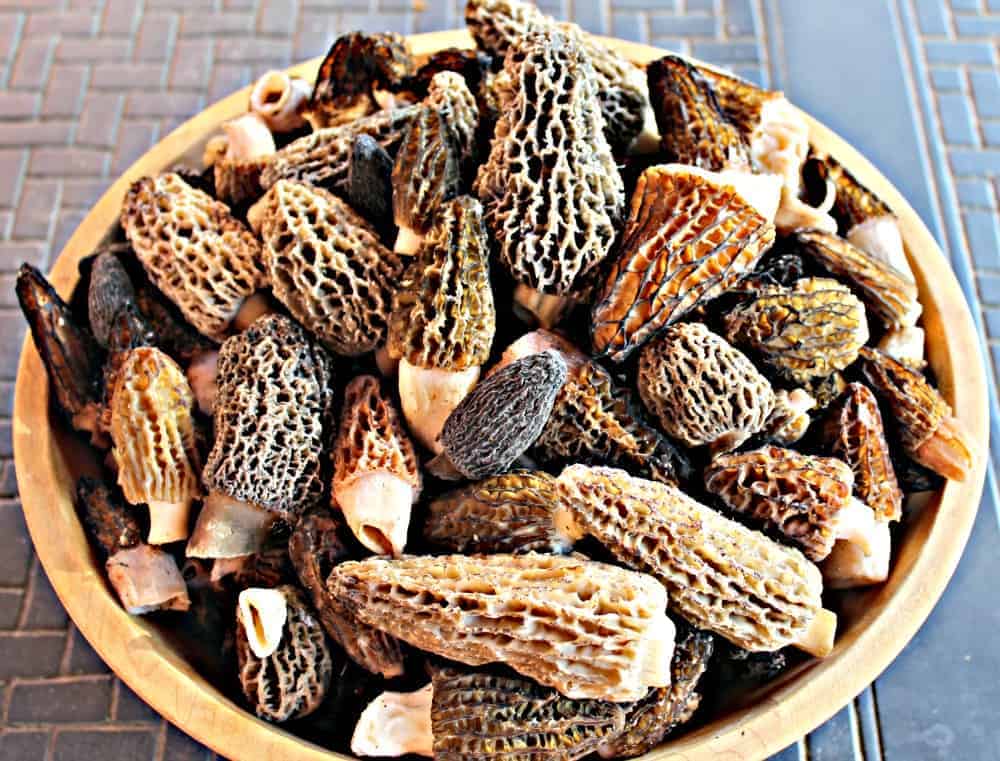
(173, 334)
(152, 428)
(443, 319)
(721, 575)
(701, 389)
(854, 433)
(376, 478)
(789, 420)
(279, 99)
(273, 400)
(498, 26)
(144, 577)
(249, 146)
(514, 512)
(805, 332)
(471, 65)
(194, 250)
(285, 664)
(665, 708)
(369, 183)
(888, 294)
(615, 638)
(808, 499)
(688, 239)
(327, 266)
(552, 196)
(110, 290)
(502, 416)
(316, 546)
(71, 356)
(930, 434)
(355, 66)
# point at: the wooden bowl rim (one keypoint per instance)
(152, 668)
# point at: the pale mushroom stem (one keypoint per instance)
(263, 613)
(817, 640)
(278, 99)
(146, 578)
(905, 345)
(408, 242)
(228, 528)
(947, 451)
(847, 566)
(396, 723)
(856, 524)
(648, 139)
(201, 374)
(386, 363)
(568, 528)
(377, 508)
(880, 237)
(429, 395)
(251, 310)
(659, 651)
(168, 521)
(543, 309)
(248, 137)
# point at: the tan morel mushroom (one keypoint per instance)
(279, 99)
(199, 255)
(327, 266)
(553, 197)
(805, 332)
(930, 434)
(249, 148)
(273, 401)
(376, 479)
(443, 319)
(614, 637)
(285, 665)
(688, 239)
(808, 499)
(701, 389)
(854, 432)
(154, 441)
(721, 575)
(789, 420)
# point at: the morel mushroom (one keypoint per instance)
(688, 239)
(236, 170)
(805, 332)
(152, 428)
(930, 434)
(369, 184)
(109, 292)
(279, 100)
(285, 665)
(199, 255)
(808, 499)
(144, 577)
(327, 266)
(701, 389)
(789, 420)
(71, 356)
(499, 25)
(316, 546)
(273, 399)
(443, 319)
(376, 478)
(721, 575)
(552, 197)
(615, 638)
(467, 714)
(501, 418)
(855, 434)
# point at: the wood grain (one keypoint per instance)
(877, 625)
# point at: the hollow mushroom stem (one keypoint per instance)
(168, 521)
(847, 566)
(408, 241)
(948, 451)
(248, 137)
(396, 723)
(428, 396)
(263, 613)
(228, 528)
(377, 507)
(817, 640)
(278, 99)
(201, 374)
(146, 578)
(251, 310)
(542, 309)
(880, 237)
(856, 524)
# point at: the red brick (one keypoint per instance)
(254, 49)
(36, 209)
(12, 254)
(156, 35)
(82, 194)
(134, 139)
(120, 17)
(6, 392)
(66, 225)
(135, 745)
(130, 707)
(127, 76)
(44, 609)
(216, 24)
(227, 78)
(98, 125)
(12, 331)
(35, 133)
(83, 659)
(192, 65)
(163, 104)
(180, 747)
(10, 23)
(12, 165)
(277, 17)
(67, 162)
(68, 700)
(10, 599)
(65, 91)
(14, 105)
(31, 68)
(31, 654)
(8, 480)
(79, 24)
(93, 50)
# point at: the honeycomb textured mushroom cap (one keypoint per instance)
(855, 203)
(800, 495)
(443, 314)
(497, 25)
(152, 426)
(721, 575)
(854, 432)
(694, 130)
(701, 389)
(615, 637)
(293, 680)
(273, 401)
(477, 715)
(805, 332)
(194, 250)
(688, 239)
(741, 101)
(451, 97)
(551, 189)
(109, 291)
(327, 266)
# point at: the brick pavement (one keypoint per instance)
(86, 86)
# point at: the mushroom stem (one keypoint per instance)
(658, 652)
(386, 363)
(252, 309)
(795, 214)
(947, 451)
(817, 640)
(856, 524)
(377, 507)
(248, 138)
(146, 579)
(408, 242)
(256, 213)
(228, 528)
(278, 98)
(880, 237)
(396, 723)
(263, 613)
(905, 345)
(428, 396)
(847, 566)
(542, 309)
(568, 528)
(168, 521)
(201, 374)
(648, 139)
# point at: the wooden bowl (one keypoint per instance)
(876, 626)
